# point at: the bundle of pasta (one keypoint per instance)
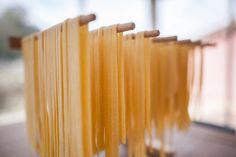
(197, 77)
(57, 90)
(159, 89)
(108, 104)
(87, 92)
(137, 90)
(31, 88)
(171, 77)
(184, 68)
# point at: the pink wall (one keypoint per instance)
(215, 98)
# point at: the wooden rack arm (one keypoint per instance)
(165, 39)
(14, 43)
(85, 19)
(147, 34)
(152, 33)
(125, 27)
(197, 43)
(200, 43)
(186, 41)
(208, 45)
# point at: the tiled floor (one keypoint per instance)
(197, 142)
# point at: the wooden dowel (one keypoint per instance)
(125, 27)
(152, 33)
(208, 45)
(14, 43)
(85, 19)
(147, 34)
(187, 41)
(165, 39)
(197, 43)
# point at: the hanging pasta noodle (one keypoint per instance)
(107, 66)
(201, 72)
(29, 47)
(110, 92)
(147, 75)
(183, 119)
(128, 64)
(97, 89)
(121, 89)
(199, 77)
(57, 73)
(135, 93)
(162, 95)
(154, 83)
(95, 94)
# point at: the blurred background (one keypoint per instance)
(207, 20)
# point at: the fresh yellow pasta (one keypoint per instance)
(88, 92)
(135, 87)
(57, 74)
(107, 90)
